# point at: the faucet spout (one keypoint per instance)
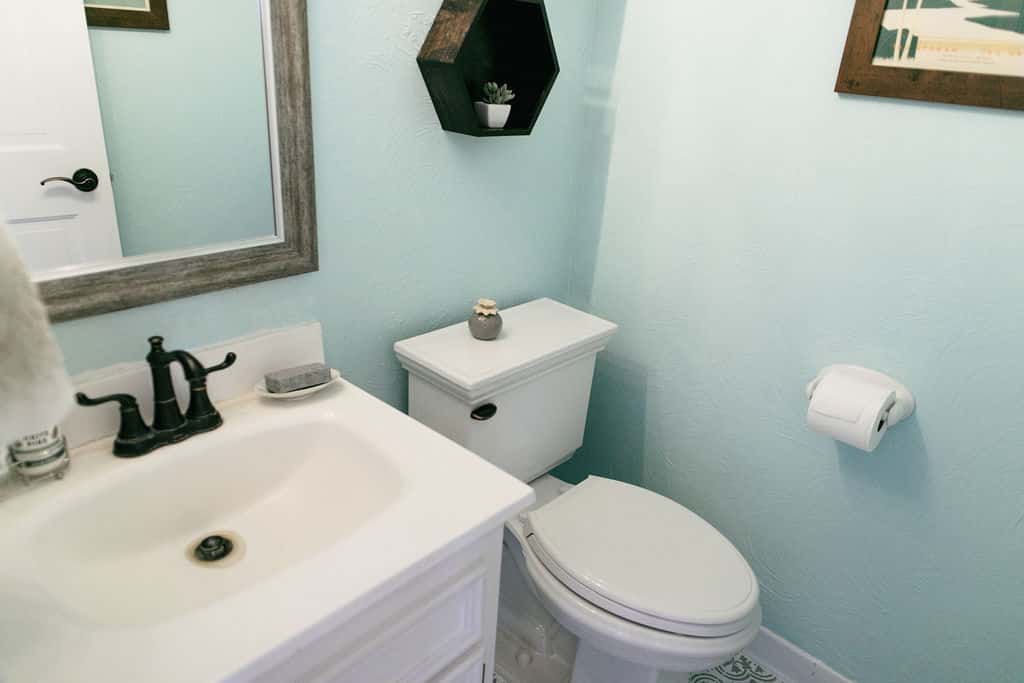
(166, 412)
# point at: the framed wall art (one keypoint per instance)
(147, 14)
(955, 51)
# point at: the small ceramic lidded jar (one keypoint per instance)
(485, 323)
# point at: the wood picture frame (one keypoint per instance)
(154, 17)
(113, 290)
(860, 75)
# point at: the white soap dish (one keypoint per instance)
(261, 389)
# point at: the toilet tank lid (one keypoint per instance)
(535, 337)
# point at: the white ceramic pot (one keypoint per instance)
(492, 115)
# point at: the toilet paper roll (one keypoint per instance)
(851, 408)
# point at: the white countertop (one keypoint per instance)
(447, 499)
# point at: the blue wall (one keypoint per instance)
(744, 226)
(414, 223)
(185, 122)
(752, 227)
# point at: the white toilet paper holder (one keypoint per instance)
(905, 403)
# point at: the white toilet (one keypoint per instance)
(645, 584)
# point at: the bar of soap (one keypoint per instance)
(301, 377)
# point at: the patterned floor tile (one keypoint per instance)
(741, 669)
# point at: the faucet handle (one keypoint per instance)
(195, 372)
(126, 400)
(201, 414)
(229, 360)
(134, 437)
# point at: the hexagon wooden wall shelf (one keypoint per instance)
(475, 41)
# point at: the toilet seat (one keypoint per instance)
(645, 558)
(623, 638)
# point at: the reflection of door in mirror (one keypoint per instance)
(178, 125)
(186, 124)
(50, 126)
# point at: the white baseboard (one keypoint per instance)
(789, 662)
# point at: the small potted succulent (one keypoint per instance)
(494, 109)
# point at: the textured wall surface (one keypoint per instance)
(415, 223)
(185, 122)
(755, 227)
(745, 227)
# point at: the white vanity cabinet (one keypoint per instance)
(372, 544)
(436, 626)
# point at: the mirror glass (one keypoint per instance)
(152, 136)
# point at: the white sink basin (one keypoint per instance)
(286, 489)
(328, 500)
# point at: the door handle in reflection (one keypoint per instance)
(84, 180)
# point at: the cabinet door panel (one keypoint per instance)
(410, 637)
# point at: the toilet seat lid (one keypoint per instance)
(644, 557)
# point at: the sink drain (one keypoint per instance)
(219, 549)
(213, 548)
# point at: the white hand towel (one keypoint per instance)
(35, 390)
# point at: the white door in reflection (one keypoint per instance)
(50, 126)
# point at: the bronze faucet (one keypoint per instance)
(135, 438)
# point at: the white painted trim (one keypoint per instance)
(273, 138)
(790, 663)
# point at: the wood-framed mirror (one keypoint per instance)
(210, 178)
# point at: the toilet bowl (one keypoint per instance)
(645, 584)
(619, 646)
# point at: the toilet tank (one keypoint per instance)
(519, 401)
